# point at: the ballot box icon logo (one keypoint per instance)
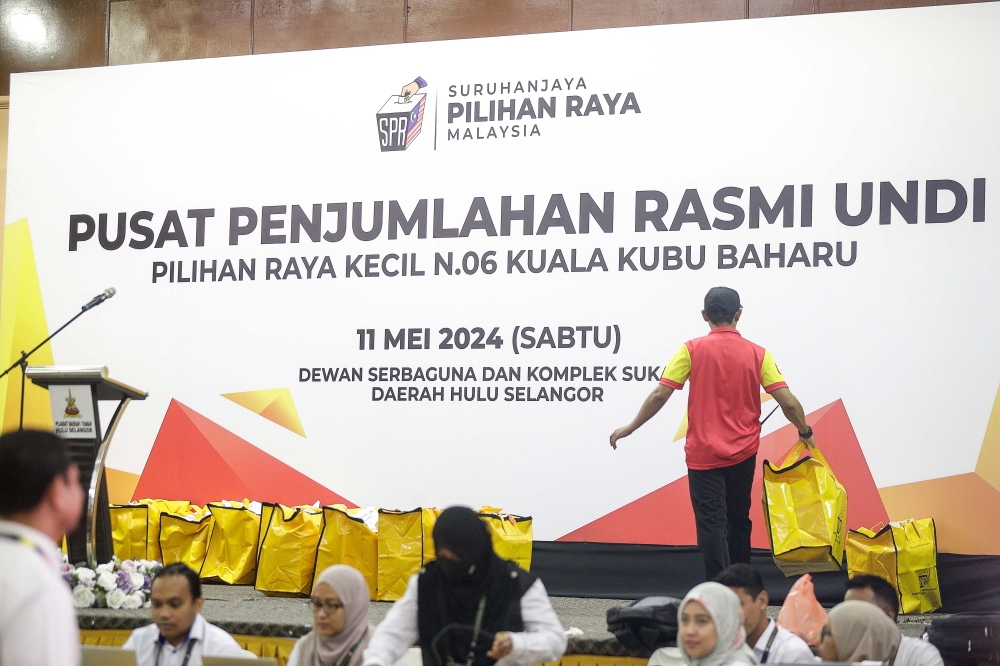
(400, 120)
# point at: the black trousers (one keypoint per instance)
(721, 501)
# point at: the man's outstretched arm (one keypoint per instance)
(649, 408)
(792, 409)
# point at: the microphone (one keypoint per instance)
(100, 298)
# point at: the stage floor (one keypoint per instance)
(243, 610)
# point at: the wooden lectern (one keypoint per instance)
(74, 392)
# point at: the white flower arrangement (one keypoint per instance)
(116, 584)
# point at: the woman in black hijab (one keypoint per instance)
(467, 586)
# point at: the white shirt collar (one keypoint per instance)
(772, 628)
(196, 632)
(50, 552)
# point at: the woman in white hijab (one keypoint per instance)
(710, 628)
(341, 631)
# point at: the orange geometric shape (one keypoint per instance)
(665, 516)
(965, 509)
(988, 465)
(121, 485)
(198, 460)
(273, 404)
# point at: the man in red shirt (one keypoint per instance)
(726, 373)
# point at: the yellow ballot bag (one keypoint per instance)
(185, 538)
(155, 508)
(287, 556)
(805, 509)
(400, 551)
(512, 535)
(905, 554)
(428, 516)
(231, 555)
(129, 530)
(346, 539)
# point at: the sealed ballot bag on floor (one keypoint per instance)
(805, 509)
(511, 535)
(345, 538)
(905, 554)
(129, 530)
(231, 555)
(287, 556)
(185, 538)
(156, 507)
(402, 549)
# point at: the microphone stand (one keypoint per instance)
(23, 361)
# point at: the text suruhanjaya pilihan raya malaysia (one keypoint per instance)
(653, 212)
(519, 110)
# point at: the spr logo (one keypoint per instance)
(401, 117)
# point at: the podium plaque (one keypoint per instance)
(74, 393)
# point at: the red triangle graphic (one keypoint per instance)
(665, 517)
(179, 452)
(196, 459)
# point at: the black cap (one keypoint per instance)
(722, 302)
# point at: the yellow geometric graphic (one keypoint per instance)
(988, 466)
(121, 485)
(22, 326)
(273, 404)
(682, 431)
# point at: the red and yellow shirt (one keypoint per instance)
(726, 373)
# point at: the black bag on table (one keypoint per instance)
(967, 637)
(649, 622)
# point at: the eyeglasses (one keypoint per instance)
(330, 607)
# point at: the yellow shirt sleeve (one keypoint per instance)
(678, 370)
(770, 376)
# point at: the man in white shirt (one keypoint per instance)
(40, 500)
(180, 636)
(770, 643)
(882, 593)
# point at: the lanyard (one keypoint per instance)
(770, 642)
(350, 653)
(24, 541)
(187, 654)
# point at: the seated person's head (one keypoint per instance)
(39, 484)
(462, 544)
(874, 590)
(710, 623)
(858, 631)
(748, 585)
(176, 601)
(340, 601)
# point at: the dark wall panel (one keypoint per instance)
(40, 35)
(862, 5)
(302, 25)
(157, 30)
(457, 19)
(589, 14)
(766, 8)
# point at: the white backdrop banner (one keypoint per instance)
(439, 273)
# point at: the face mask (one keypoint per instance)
(455, 571)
